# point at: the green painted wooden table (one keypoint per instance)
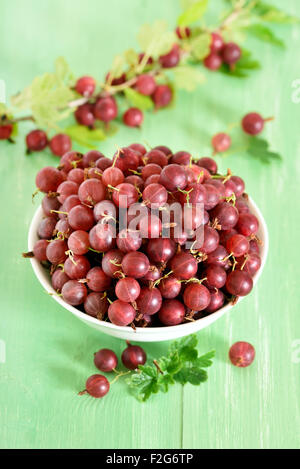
(49, 352)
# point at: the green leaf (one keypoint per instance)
(188, 354)
(117, 67)
(138, 100)
(148, 370)
(181, 365)
(48, 96)
(22, 100)
(109, 130)
(205, 361)
(246, 61)
(272, 14)
(170, 364)
(63, 71)
(156, 40)
(193, 13)
(131, 57)
(187, 78)
(85, 136)
(151, 388)
(142, 385)
(185, 4)
(259, 148)
(3, 109)
(264, 34)
(200, 46)
(190, 341)
(191, 375)
(15, 131)
(138, 379)
(164, 381)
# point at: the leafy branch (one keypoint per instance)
(182, 365)
(259, 148)
(52, 98)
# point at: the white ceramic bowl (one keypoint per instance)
(151, 334)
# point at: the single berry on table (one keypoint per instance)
(242, 354)
(96, 386)
(36, 140)
(6, 131)
(253, 123)
(106, 360)
(221, 142)
(133, 356)
(133, 117)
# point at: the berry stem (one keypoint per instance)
(27, 254)
(233, 15)
(119, 374)
(19, 119)
(115, 89)
(158, 367)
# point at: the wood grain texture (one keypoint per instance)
(49, 353)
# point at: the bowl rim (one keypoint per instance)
(38, 268)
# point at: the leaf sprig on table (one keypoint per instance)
(182, 365)
(51, 99)
(259, 148)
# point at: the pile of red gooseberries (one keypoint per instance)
(152, 274)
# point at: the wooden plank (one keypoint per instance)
(259, 407)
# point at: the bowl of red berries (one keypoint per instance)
(148, 246)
